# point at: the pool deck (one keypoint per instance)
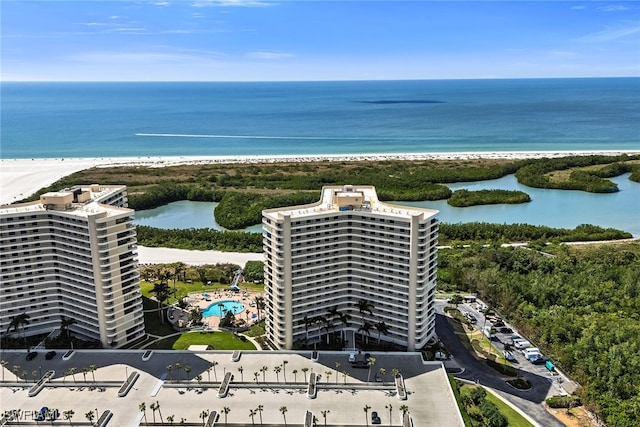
(198, 299)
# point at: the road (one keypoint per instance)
(530, 401)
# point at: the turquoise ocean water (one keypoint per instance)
(182, 119)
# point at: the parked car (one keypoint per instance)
(367, 356)
(375, 419)
(508, 355)
(42, 413)
(50, 355)
(521, 344)
(506, 330)
(352, 357)
(32, 355)
(470, 317)
(360, 364)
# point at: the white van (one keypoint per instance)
(522, 344)
(530, 350)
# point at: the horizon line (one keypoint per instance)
(319, 80)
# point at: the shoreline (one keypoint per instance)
(20, 178)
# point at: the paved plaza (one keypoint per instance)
(430, 400)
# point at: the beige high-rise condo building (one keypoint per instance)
(350, 270)
(72, 254)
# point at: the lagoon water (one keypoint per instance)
(554, 208)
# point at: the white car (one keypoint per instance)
(352, 357)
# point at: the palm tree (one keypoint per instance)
(404, 409)
(170, 418)
(395, 372)
(162, 292)
(366, 328)
(259, 409)
(159, 412)
(154, 408)
(68, 415)
(283, 410)
(365, 306)
(255, 377)
(324, 415)
(225, 411)
(370, 363)
(284, 370)
(187, 370)
(344, 319)
(337, 366)
(169, 369)
(241, 370)
(65, 322)
(382, 328)
(390, 408)
(344, 377)
(252, 414)
(177, 268)
(92, 369)
(277, 370)
(19, 322)
(199, 379)
(307, 321)
(72, 371)
(264, 369)
(304, 370)
(143, 408)
(90, 416)
(366, 413)
(328, 374)
(203, 416)
(382, 372)
(259, 305)
(178, 366)
(16, 369)
(295, 375)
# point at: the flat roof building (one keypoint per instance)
(72, 254)
(348, 269)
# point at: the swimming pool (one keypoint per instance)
(219, 308)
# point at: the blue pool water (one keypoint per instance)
(215, 309)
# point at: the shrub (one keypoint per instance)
(563, 401)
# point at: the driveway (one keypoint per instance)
(529, 401)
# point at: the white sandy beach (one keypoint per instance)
(20, 178)
(166, 255)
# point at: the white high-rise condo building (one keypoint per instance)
(348, 270)
(72, 254)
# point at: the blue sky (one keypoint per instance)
(257, 40)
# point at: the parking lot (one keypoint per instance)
(504, 333)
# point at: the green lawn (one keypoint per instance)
(513, 417)
(182, 289)
(217, 340)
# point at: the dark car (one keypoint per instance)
(32, 355)
(360, 364)
(506, 330)
(50, 355)
(375, 419)
(42, 413)
(367, 356)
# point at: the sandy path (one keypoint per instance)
(167, 255)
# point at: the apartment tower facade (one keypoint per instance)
(352, 268)
(72, 254)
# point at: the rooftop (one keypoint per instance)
(430, 400)
(350, 198)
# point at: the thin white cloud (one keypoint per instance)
(231, 3)
(161, 3)
(269, 55)
(580, 7)
(613, 8)
(610, 34)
